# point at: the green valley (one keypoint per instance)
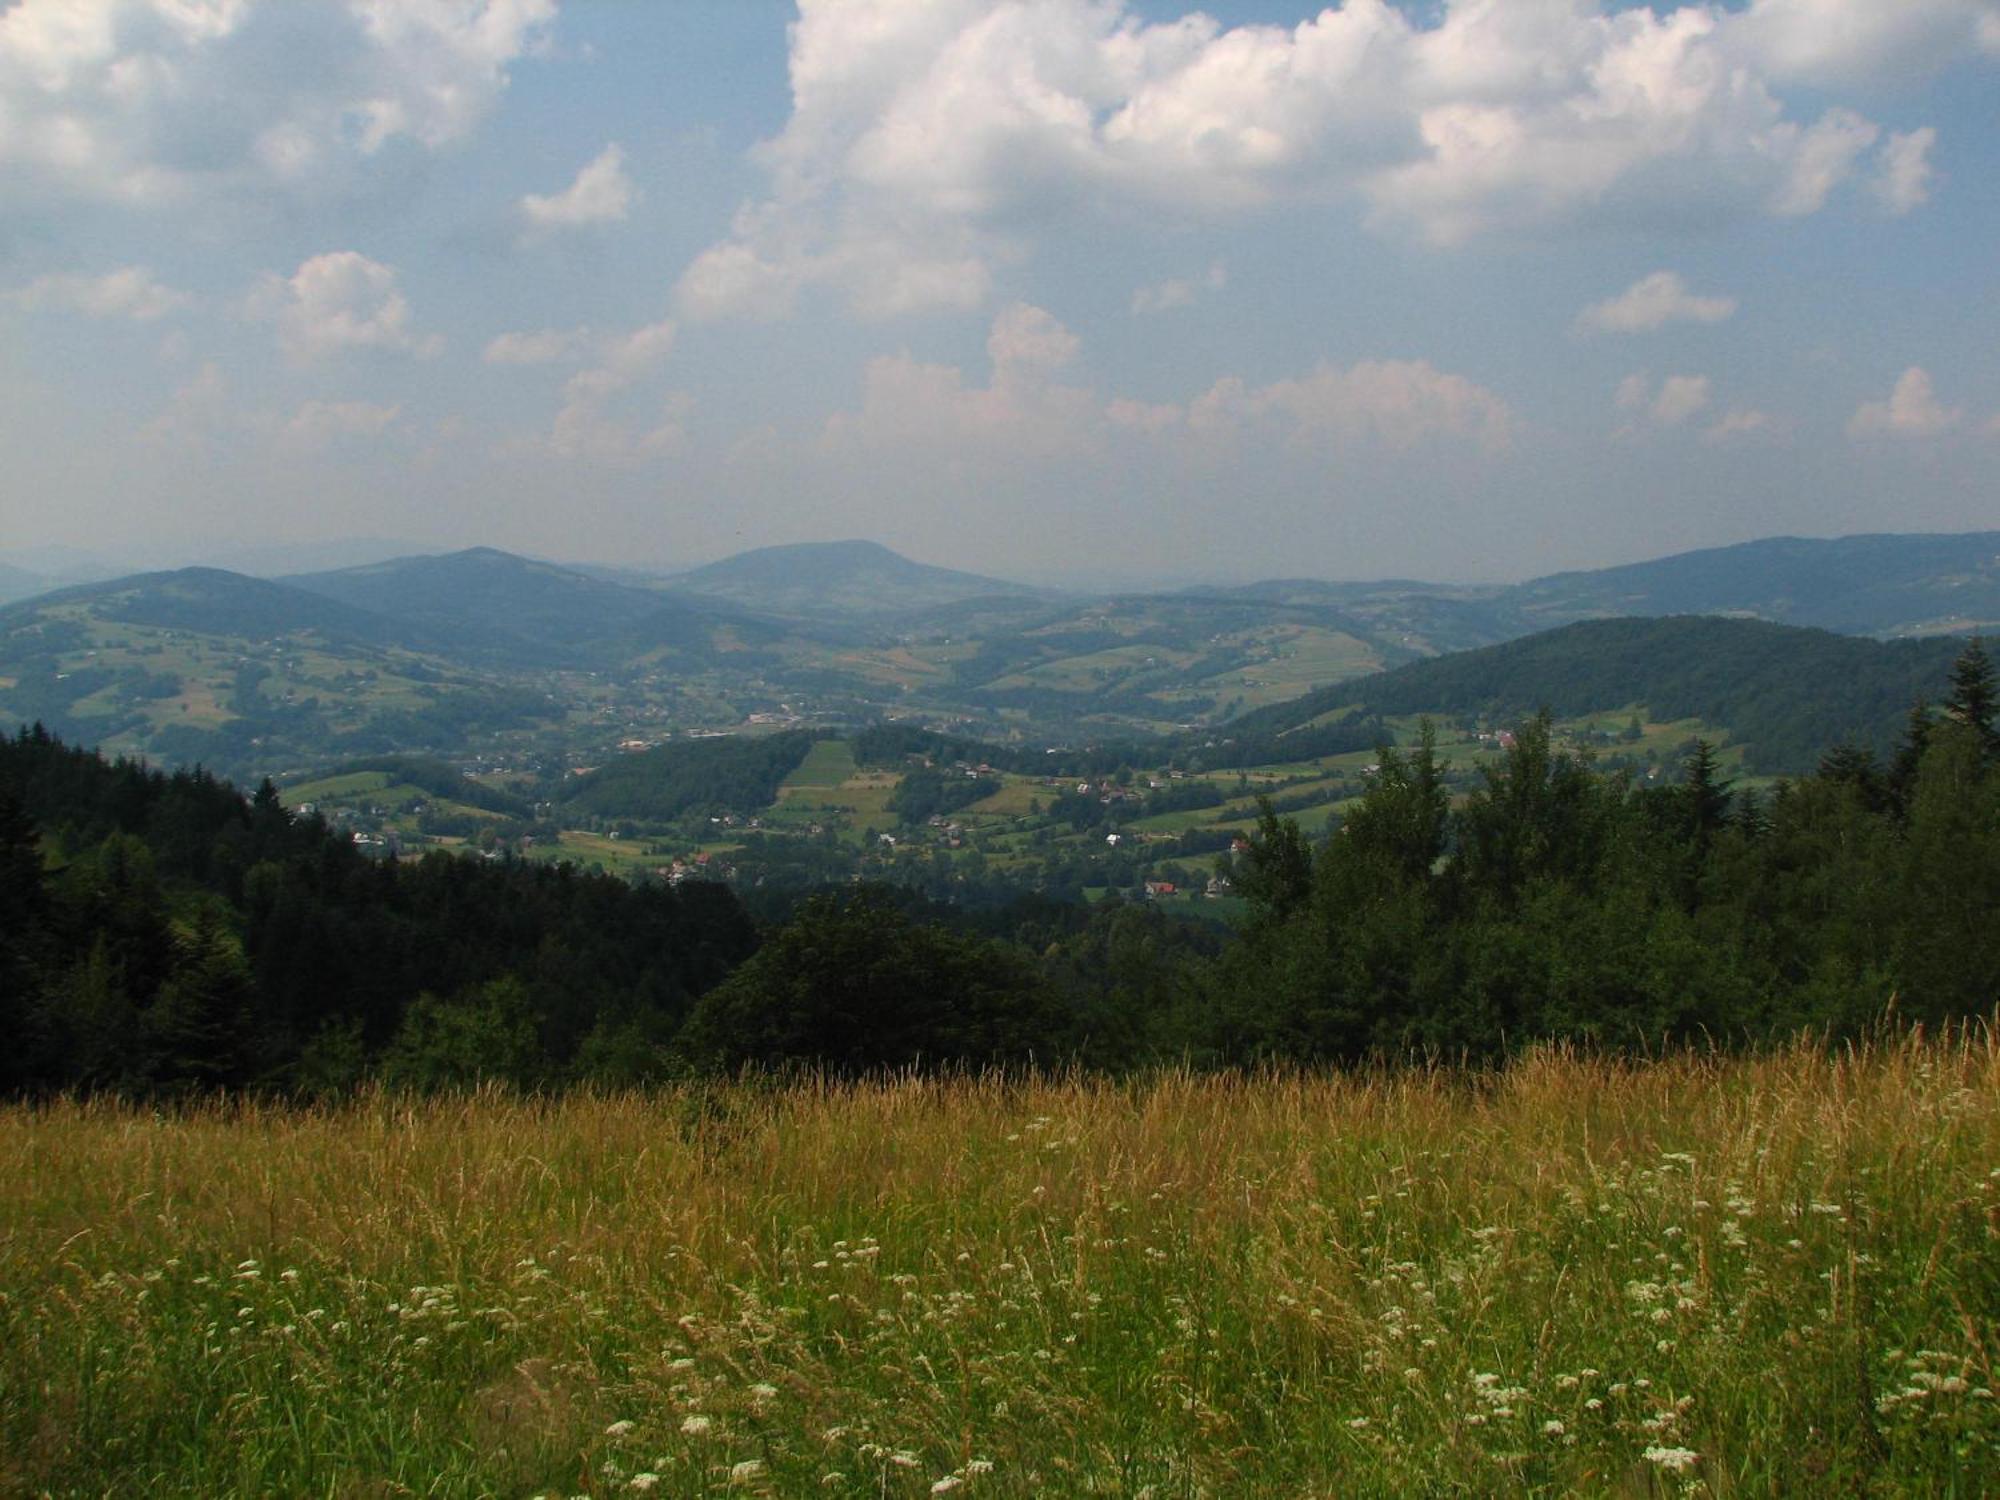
(720, 721)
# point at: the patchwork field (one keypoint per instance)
(828, 785)
(827, 765)
(1691, 1277)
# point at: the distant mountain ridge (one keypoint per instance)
(839, 578)
(1880, 584)
(432, 652)
(487, 598)
(214, 601)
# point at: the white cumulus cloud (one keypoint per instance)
(542, 348)
(1904, 175)
(1028, 338)
(600, 194)
(130, 292)
(147, 100)
(1820, 159)
(593, 423)
(440, 64)
(1653, 302)
(625, 355)
(1912, 411)
(928, 143)
(1681, 396)
(337, 302)
(1830, 42)
(1026, 412)
(1740, 422)
(1398, 404)
(1671, 403)
(629, 355)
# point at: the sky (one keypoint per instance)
(1053, 289)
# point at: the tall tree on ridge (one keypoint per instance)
(1974, 695)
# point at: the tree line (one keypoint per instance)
(168, 934)
(1553, 901)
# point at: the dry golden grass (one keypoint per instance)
(1696, 1275)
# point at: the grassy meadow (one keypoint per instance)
(1686, 1277)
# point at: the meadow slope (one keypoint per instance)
(1690, 1276)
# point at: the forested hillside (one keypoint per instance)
(166, 933)
(1787, 694)
(723, 775)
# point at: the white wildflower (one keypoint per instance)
(1673, 1460)
(696, 1425)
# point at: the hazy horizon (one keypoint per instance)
(277, 561)
(1063, 291)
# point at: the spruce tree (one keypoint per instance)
(1974, 696)
(1708, 796)
(199, 1026)
(1850, 765)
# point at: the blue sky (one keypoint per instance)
(1470, 289)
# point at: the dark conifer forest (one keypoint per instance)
(167, 934)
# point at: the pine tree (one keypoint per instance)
(1708, 795)
(1974, 696)
(199, 1027)
(1852, 766)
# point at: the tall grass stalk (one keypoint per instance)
(1692, 1275)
